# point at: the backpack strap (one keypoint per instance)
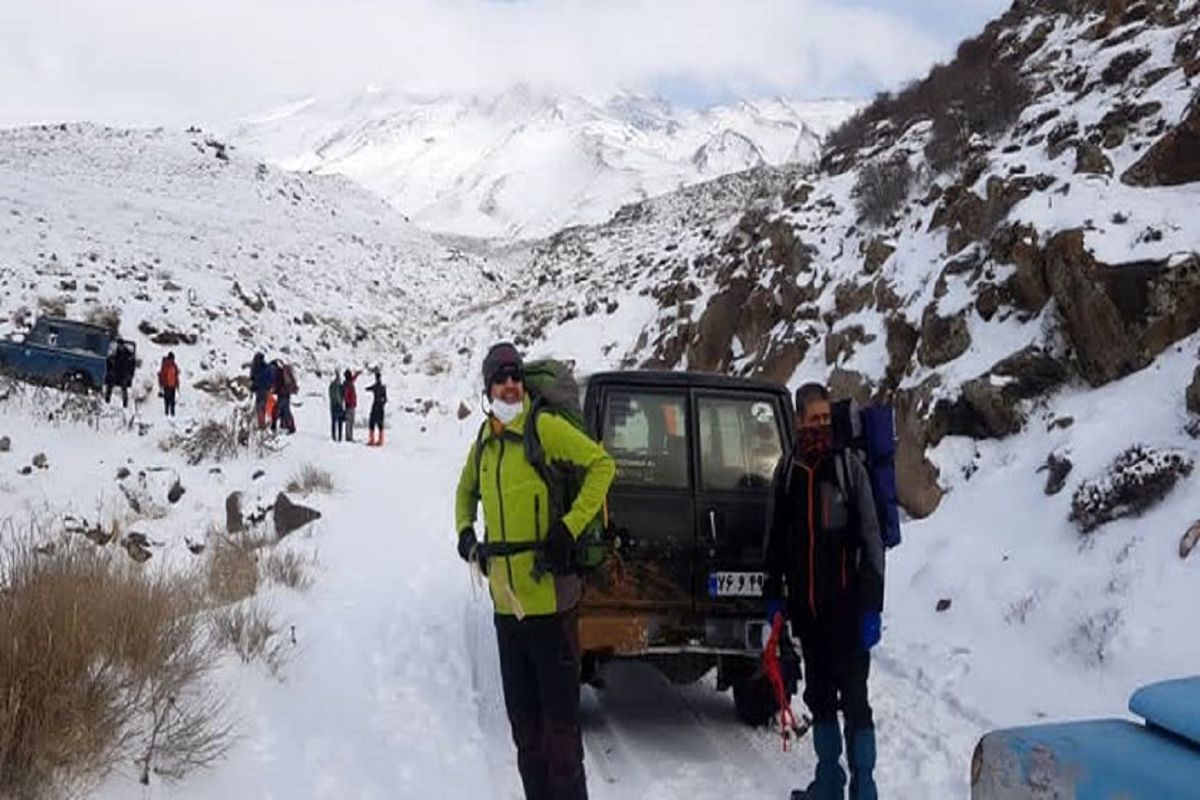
(535, 454)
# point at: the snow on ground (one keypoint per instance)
(391, 687)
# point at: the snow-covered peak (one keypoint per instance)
(526, 162)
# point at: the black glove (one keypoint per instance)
(559, 549)
(467, 544)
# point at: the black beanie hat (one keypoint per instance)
(498, 357)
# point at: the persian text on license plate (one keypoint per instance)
(735, 584)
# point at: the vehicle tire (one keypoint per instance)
(754, 700)
(76, 382)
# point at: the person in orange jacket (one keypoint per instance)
(168, 382)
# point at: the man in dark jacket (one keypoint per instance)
(375, 421)
(261, 380)
(823, 543)
(285, 387)
(337, 407)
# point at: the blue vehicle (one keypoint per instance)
(71, 355)
(1110, 759)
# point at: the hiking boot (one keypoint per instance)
(371, 439)
(860, 756)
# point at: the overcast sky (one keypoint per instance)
(171, 62)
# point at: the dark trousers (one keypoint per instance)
(539, 665)
(283, 413)
(337, 421)
(108, 390)
(835, 677)
(375, 420)
(169, 402)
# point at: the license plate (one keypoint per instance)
(735, 584)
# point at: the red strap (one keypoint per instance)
(774, 673)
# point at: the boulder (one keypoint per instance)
(916, 477)
(463, 411)
(290, 516)
(1193, 393)
(842, 343)
(844, 383)
(175, 492)
(1174, 159)
(780, 360)
(902, 340)
(1057, 468)
(1018, 245)
(943, 339)
(5, 444)
(710, 350)
(988, 407)
(1189, 540)
(1090, 160)
(1119, 318)
(875, 254)
(234, 523)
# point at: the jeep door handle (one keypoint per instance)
(712, 525)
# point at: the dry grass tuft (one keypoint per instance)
(232, 569)
(102, 663)
(249, 631)
(289, 569)
(311, 478)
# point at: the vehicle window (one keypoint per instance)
(646, 434)
(739, 443)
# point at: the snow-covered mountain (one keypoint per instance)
(524, 163)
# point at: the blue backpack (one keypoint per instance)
(871, 432)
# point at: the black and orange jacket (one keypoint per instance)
(823, 542)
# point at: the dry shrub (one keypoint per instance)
(311, 478)
(220, 440)
(53, 306)
(108, 317)
(980, 91)
(102, 663)
(289, 569)
(881, 188)
(249, 631)
(232, 573)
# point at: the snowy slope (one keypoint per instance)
(524, 163)
(182, 235)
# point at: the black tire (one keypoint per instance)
(754, 700)
(77, 382)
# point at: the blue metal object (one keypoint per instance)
(1099, 759)
(60, 352)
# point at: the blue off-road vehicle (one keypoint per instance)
(76, 356)
(1112, 759)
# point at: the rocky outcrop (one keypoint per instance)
(902, 340)
(1018, 245)
(1119, 318)
(1193, 394)
(989, 407)
(841, 344)
(711, 349)
(1174, 159)
(1090, 160)
(916, 477)
(875, 253)
(943, 339)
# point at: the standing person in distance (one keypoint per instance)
(261, 380)
(375, 420)
(351, 401)
(337, 407)
(168, 382)
(537, 614)
(824, 545)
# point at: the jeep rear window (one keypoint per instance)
(646, 434)
(739, 443)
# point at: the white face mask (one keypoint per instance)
(506, 412)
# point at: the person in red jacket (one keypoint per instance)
(168, 382)
(351, 401)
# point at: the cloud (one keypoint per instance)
(152, 62)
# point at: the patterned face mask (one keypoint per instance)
(814, 443)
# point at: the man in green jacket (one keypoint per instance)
(527, 556)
